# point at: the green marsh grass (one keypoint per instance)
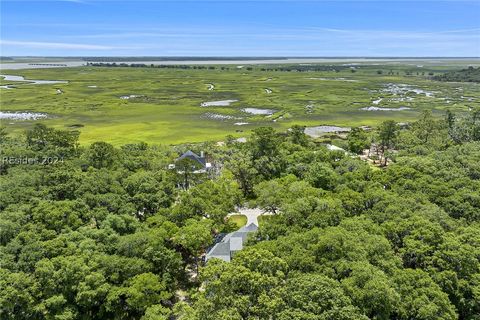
(167, 109)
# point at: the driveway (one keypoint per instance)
(251, 214)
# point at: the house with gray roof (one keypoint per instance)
(199, 162)
(194, 157)
(231, 243)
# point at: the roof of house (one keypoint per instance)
(193, 156)
(250, 228)
(231, 243)
(236, 243)
(221, 249)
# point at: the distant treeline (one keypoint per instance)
(143, 65)
(470, 74)
(49, 64)
(123, 59)
(296, 68)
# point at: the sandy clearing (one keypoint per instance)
(7, 77)
(384, 109)
(22, 115)
(257, 111)
(219, 103)
(132, 96)
(317, 131)
(402, 89)
(218, 116)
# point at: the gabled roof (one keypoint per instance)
(220, 250)
(231, 243)
(239, 234)
(250, 228)
(193, 156)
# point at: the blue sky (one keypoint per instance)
(240, 28)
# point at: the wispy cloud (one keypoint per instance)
(140, 35)
(304, 33)
(56, 45)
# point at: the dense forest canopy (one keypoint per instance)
(99, 232)
(470, 74)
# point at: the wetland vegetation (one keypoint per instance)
(174, 105)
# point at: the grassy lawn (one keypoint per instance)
(165, 107)
(240, 220)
